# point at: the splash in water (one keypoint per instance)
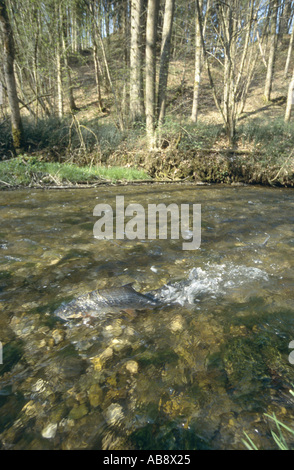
(214, 280)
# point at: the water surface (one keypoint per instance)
(195, 375)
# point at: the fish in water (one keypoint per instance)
(106, 301)
(101, 302)
(184, 292)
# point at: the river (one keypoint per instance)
(196, 374)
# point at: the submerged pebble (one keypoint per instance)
(58, 336)
(95, 395)
(49, 431)
(78, 412)
(177, 323)
(132, 367)
(114, 414)
(39, 386)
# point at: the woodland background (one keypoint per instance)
(103, 81)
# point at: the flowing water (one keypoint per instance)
(194, 373)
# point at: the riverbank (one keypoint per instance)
(226, 166)
(262, 154)
(31, 171)
(201, 167)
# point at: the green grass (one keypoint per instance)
(274, 138)
(24, 171)
(277, 435)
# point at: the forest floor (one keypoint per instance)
(91, 139)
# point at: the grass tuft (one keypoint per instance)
(25, 170)
(278, 437)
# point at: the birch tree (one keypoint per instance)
(290, 48)
(136, 76)
(164, 58)
(151, 34)
(290, 99)
(272, 51)
(198, 56)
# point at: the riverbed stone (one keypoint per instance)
(49, 431)
(132, 366)
(95, 395)
(114, 414)
(177, 323)
(78, 411)
(58, 336)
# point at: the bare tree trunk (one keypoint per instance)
(35, 64)
(74, 26)
(69, 90)
(199, 54)
(58, 60)
(285, 17)
(106, 15)
(136, 79)
(8, 65)
(31, 82)
(228, 18)
(198, 61)
(151, 32)
(22, 99)
(290, 99)
(123, 25)
(97, 66)
(97, 32)
(289, 54)
(59, 82)
(261, 49)
(97, 74)
(236, 31)
(211, 81)
(272, 53)
(117, 107)
(164, 58)
(71, 100)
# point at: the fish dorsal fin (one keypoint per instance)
(130, 284)
(129, 287)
